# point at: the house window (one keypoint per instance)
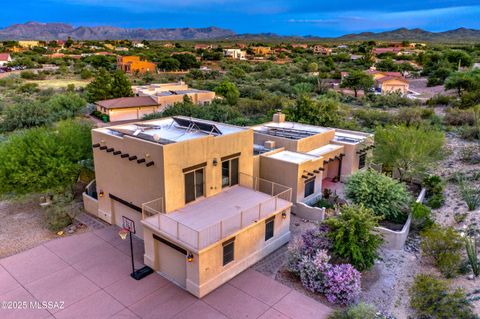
(309, 187)
(361, 160)
(228, 251)
(269, 226)
(194, 185)
(230, 172)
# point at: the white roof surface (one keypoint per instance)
(293, 157)
(325, 149)
(168, 129)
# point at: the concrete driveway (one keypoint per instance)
(87, 276)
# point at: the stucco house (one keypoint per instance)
(389, 82)
(310, 158)
(320, 49)
(235, 54)
(261, 50)
(5, 58)
(188, 187)
(132, 64)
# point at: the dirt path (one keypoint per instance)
(22, 227)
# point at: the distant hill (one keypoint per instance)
(457, 35)
(55, 31)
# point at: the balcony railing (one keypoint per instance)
(153, 214)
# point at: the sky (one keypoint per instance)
(284, 17)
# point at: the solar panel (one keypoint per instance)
(193, 124)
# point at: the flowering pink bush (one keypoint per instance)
(315, 239)
(295, 255)
(342, 284)
(312, 271)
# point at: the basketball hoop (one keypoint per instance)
(123, 233)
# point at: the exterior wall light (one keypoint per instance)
(284, 215)
(215, 162)
(190, 257)
(101, 193)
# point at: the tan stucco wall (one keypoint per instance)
(178, 156)
(126, 179)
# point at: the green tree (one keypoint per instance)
(187, 61)
(44, 159)
(358, 80)
(324, 111)
(229, 91)
(353, 236)
(100, 88)
(463, 81)
(412, 151)
(169, 64)
(121, 86)
(25, 114)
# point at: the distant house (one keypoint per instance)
(261, 50)
(201, 46)
(5, 58)
(133, 64)
(389, 82)
(394, 50)
(138, 45)
(121, 49)
(28, 44)
(127, 108)
(318, 49)
(234, 54)
(299, 45)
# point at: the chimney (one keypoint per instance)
(278, 117)
(269, 145)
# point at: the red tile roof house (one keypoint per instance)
(377, 51)
(5, 58)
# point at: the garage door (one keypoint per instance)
(123, 115)
(120, 210)
(172, 264)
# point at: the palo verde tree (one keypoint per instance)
(463, 81)
(409, 150)
(358, 80)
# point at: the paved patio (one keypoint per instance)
(89, 274)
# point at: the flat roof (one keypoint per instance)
(290, 130)
(325, 149)
(172, 129)
(293, 157)
(350, 137)
(225, 205)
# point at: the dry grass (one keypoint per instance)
(59, 83)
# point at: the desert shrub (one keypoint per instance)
(469, 133)
(421, 215)
(432, 298)
(353, 237)
(312, 271)
(342, 284)
(61, 212)
(385, 196)
(470, 193)
(443, 245)
(438, 99)
(470, 154)
(435, 186)
(457, 117)
(358, 311)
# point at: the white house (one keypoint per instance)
(234, 54)
(5, 58)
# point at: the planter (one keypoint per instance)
(396, 239)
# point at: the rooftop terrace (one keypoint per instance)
(290, 130)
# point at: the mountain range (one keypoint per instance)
(53, 31)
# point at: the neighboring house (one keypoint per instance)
(396, 50)
(138, 45)
(308, 158)
(234, 54)
(299, 45)
(166, 94)
(201, 46)
(133, 64)
(28, 44)
(261, 50)
(389, 82)
(188, 186)
(121, 49)
(128, 108)
(5, 58)
(318, 49)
